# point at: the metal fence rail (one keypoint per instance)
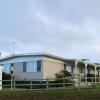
(46, 84)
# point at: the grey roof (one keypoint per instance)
(42, 54)
(34, 54)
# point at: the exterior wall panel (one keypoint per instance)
(51, 67)
(20, 75)
(18, 68)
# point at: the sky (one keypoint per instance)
(67, 28)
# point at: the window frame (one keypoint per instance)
(39, 65)
(24, 66)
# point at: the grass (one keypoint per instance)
(70, 94)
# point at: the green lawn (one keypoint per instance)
(83, 94)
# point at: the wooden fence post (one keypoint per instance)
(31, 84)
(47, 84)
(92, 79)
(11, 83)
(63, 82)
(79, 81)
(14, 84)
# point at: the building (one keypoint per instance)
(42, 66)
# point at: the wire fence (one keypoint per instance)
(47, 84)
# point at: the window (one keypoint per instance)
(6, 68)
(68, 68)
(64, 66)
(38, 65)
(31, 66)
(72, 69)
(81, 70)
(88, 71)
(12, 64)
(24, 66)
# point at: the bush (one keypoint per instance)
(6, 76)
(63, 74)
(63, 77)
(90, 75)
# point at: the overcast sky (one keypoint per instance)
(67, 28)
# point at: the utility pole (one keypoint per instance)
(13, 47)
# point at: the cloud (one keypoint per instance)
(68, 28)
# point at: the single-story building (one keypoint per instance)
(43, 65)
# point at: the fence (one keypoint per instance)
(46, 84)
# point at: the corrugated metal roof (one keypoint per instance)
(34, 54)
(42, 54)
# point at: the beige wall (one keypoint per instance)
(78, 70)
(51, 67)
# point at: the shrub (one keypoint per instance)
(63, 74)
(6, 76)
(91, 77)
